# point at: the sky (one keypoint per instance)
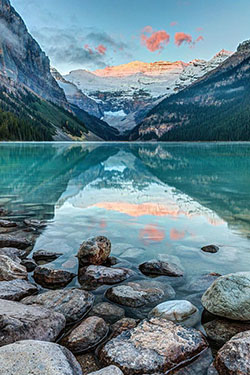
(93, 34)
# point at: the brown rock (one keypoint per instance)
(158, 267)
(210, 249)
(45, 256)
(52, 279)
(95, 250)
(123, 325)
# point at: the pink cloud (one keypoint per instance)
(199, 29)
(156, 41)
(174, 23)
(88, 48)
(101, 49)
(182, 38)
(200, 38)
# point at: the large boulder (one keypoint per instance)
(21, 322)
(229, 296)
(94, 276)
(15, 290)
(234, 357)
(11, 270)
(160, 267)
(38, 358)
(52, 279)
(176, 311)
(154, 346)
(134, 295)
(86, 335)
(95, 250)
(72, 303)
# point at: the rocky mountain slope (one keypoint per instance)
(215, 107)
(125, 93)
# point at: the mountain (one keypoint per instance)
(215, 107)
(32, 104)
(125, 93)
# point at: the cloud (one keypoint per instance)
(154, 40)
(174, 23)
(181, 38)
(9, 38)
(106, 40)
(101, 49)
(199, 39)
(199, 29)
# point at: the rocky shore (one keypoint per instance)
(114, 318)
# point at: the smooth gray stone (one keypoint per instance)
(31, 357)
(15, 290)
(176, 310)
(21, 322)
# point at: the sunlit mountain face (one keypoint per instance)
(160, 199)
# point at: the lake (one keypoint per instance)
(151, 200)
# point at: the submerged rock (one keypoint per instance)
(10, 270)
(50, 278)
(210, 249)
(158, 267)
(94, 276)
(134, 295)
(87, 335)
(21, 322)
(234, 357)
(12, 241)
(108, 311)
(197, 367)
(176, 311)
(153, 346)
(110, 370)
(34, 223)
(95, 250)
(219, 331)
(123, 325)
(203, 282)
(15, 290)
(45, 256)
(37, 357)
(229, 296)
(7, 224)
(72, 303)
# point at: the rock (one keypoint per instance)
(110, 370)
(229, 296)
(45, 256)
(176, 311)
(34, 223)
(123, 325)
(7, 224)
(202, 283)
(212, 370)
(197, 367)
(234, 357)
(157, 267)
(210, 249)
(21, 322)
(153, 346)
(134, 295)
(219, 331)
(88, 362)
(13, 253)
(72, 303)
(15, 290)
(94, 276)
(109, 312)
(38, 358)
(95, 250)
(29, 264)
(10, 270)
(3, 212)
(111, 261)
(87, 335)
(12, 241)
(50, 278)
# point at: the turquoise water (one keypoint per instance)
(154, 199)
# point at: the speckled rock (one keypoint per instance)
(94, 276)
(21, 322)
(229, 296)
(134, 295)
(123, 325)
(110, 370)
(210, 249)
(159, 267)
(234, 357)
(95, 250)
(15, 290)
(88, 362)
(37, 357)
(10, 270)
(52, 279)
(212, 370)
(86, 335)
(108, 311)
(12, 241)
(176, 311)
(45, 256)
(219, 331)
(153, 346)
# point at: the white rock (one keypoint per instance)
(176, 311)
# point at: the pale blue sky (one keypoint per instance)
(71, 32)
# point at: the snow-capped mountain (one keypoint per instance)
(125, 93)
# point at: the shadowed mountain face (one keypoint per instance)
(216, 107)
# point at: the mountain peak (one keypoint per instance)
(244, 46)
